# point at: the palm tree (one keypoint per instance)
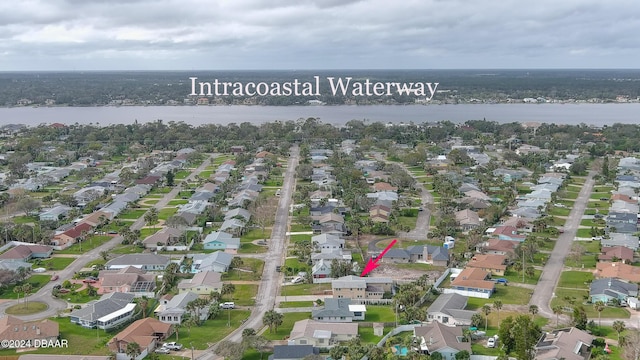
(104, 255)
(26, 288)
(618, 326)
(151, 217)
(133, 350)
(143, 302)
(227, 289)
(557, 310)
(498, 305)
(533, 309)
(272, 319)
(486, 310)
(187, 263)
(17, 289)
(599, 306)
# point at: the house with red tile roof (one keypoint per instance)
(64, 240)
(617, 270)
(472, 282)
(495, 264)
(27, 252)
(147, 333)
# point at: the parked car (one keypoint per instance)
(228, 305)
(297, 280)
(491, 343)
(172, 346)
(39, 270)
(162, 350)
(55, 277)
(502, 281)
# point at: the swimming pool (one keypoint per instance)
(401, 350)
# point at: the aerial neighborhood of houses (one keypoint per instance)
(240, 248)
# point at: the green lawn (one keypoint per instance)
(91, 243)
(514, 276)
(297, 304)
(177, 202)
(570, 298)
(558, 211)
(300, 228)
(80, 297)
(593, 222)
(367, 337)
(287, 324)
(298, 238)
(55, 264)
(24, 219)
(569, 194)
(182, 174)
(600, 196)
(126, 249)
(249, 248)
(575, 279)
(305, 289)
(244, 295)
(378, 313)
(583, 233)
(506, 294)
(293, 266)
(166, 213)
(211, 331)
(254, 265)
(37, 281)
(132, 214)
(407, 221)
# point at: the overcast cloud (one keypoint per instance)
(317, 34)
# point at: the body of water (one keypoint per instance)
(572, 114)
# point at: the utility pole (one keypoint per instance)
(523, 265)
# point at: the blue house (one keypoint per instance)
(220, 240)
(608, 289)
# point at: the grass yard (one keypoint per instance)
(255, 267)
(299, 228)
(55, 264)
(82, 247)
(177, 202)
(506, 294)
(583, 233)
(294, 266)
(516, 277)
(575, 279)
(166, 213)
(32, 307)
(182, 174)
(244, 295)
(566, 194)
(131, 214)
(406, 221)
(287, 325)
(296, 304)
(305, 289)
(367, 337)
(80, 297)
(379, 313)
(205, 174)
(126, 249)
(211, 331)
(301, 237)
(559, 211)
(249, 248)
(37, 281)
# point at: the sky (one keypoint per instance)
(317, 34)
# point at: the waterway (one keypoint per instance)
(572, 114)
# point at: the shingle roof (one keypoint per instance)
(106, 305)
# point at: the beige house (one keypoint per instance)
(202, 283)
(320, 334)
(355, 287)
(14, 329)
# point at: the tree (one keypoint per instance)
(170, 176)
(26, 289)
(27, 204)
(631, 346)
(151, 217)
(132, 350)
(497, 305)
(104, 255)
(533, 309)
(599, 306)
(486, 310)
(257, 342)
(476, 320)
(227, 288)
(580, 318)
(17, 289)
(618, 326)
(214, 310)
(463, 355)
(143, 302)
(230, 350)
(248, 332)
(272, 319)
(557, 310)
(519, 335)
(91, 290)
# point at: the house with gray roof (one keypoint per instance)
(233, 225)
(293, 352)
(568, 344)
(111, 310)
(607, 289)
(448, 309)
(430, 254)
(172, 311)
(339, 310)
(622, 222)
(14, 265)
(238, 213)
(321, 334)
(147, 262)
(439, 338)
(220, 240)
(55, 213)
(618, 239)
(218, 261)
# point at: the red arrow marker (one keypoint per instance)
(372, 264)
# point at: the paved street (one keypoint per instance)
(544, 290)
(56, 305)
(271, 280)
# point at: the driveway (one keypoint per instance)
(57, 305)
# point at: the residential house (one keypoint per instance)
(607, 289)
(622, 222)
(332, 222)
(617, 270)
(238, 213)
(495, 264)
(128, 279)
(448, 309)
(498, 247)
(172, 311)
(328, 255)
(147, 262)
(568, 344)
(472, 282)
(619, 239)
(443, 339)
(379, 213)
(13, 329)
(202, 283)
(321, 269)
(55, 213)
(467, 219)
(234, 226)
(327, 242)
(430, 254)
(96, 218)
(293, 352)
(616, 253)
(322, 334)
(217, 261)
(147, 333)
(164, 237)
(355, 287)
(383, 196)
(478, 195)
(506, 233)
(220, 240)
(623, 206)
(383, 186)
(14, 265)
(69, 237)
(112, 310)
(27, 252)
(396, 256)
(474, 204)
(339, 310)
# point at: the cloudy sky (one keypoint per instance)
(317, 34)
